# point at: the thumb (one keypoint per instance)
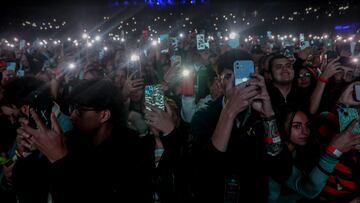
(168, 108)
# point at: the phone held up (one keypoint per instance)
(154, 97)
(42, 104)
(243, 69)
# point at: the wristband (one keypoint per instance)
(333, 151)
(323, 79)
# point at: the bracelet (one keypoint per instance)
(323, 79)
(333, 151)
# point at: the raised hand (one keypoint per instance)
(346, 140)
(50, 142)
(160, 120)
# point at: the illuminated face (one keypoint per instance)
(304, 78)
(300, 129)
(346, 74)
(282, 71)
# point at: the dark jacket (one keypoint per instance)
(245, 162)
(114, 171)
(170, 178)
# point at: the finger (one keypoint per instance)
(249, 95)
(37, 120)
(155, 109)
(22, 134)
(131, 76)
(24, 121)
(54, 124)
(168, 108)
(350, 127)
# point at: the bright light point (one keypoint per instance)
(134, 57)
(89, 44)
(154, 43)
(16, 39)
(294, 39)
(97, 38)
(122, 40)
(84, 36)
(55, 42)
(41, 43)
(226, 38)
(355, 60)
(186, 72)
(350, 38)
(232, 35)
(181, 35)
(69, 39)
(326, 36)
(71, 65)
(105, 48)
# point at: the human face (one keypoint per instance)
(304, 77)
(282, 71)
(215, 89)
(227, 81)
(346, 74)
(120, 78)
(300, 129)
(86, 119)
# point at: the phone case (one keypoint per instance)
(154, 96)
(243, 70)
(346, 115)
(357, 92)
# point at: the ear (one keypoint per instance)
(105, 116)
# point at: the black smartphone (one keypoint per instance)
(330, 55)
(42, 105)
(357, 92)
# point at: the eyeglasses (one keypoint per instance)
(79, 110)
(305, 75)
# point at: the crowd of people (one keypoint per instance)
(170, 122)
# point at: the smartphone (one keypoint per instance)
(243, 69)
(346, 116)
(164, 40)
(330, 55)
(42, 104)
(201, 44)
(357, 92)
(304, 45)
(154, 96)
(302, 37)
(175, 59)
(11, 68)
(134, 66)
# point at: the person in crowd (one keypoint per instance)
(102, 161)
(167, 142)
(282, 92)
(305, 81)
(310, 174)
(231, 158)
(343, 184)
(30, 171)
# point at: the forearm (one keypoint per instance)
(311, 186)
(272, 137)
(316, 96)
(222, 133)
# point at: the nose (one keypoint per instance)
(305, 130)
